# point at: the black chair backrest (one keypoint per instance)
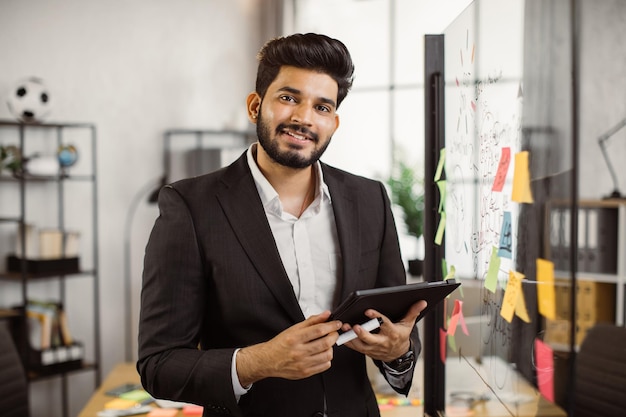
(600, 385)
(13, 384)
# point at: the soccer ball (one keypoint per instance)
(29, 100)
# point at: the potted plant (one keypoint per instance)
(407, 192)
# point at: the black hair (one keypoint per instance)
(309, 51)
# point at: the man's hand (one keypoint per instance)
(392, 341)
(298, 352)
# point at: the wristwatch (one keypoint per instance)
(403, 363)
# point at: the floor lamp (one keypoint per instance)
(602, 143)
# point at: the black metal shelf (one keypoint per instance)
(22, 182)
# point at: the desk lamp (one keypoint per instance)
(616, 194)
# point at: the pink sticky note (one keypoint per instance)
(544, 359)
(442, 345)
(457, 317)
(503, 167)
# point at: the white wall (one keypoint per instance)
(135, 69)
(602, 94)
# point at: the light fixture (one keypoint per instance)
(616, 194)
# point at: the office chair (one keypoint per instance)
(13, 384)
(600, 377)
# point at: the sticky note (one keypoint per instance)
(505, 250)
(457, 318)
(136, 395)
(440, 229)
(503, 167)
(440, 164)
(544, 360)
(442, 194)
(521, 179)
(545, 289)
(442, 345)
(192, 410)
(119, 404)
(491, 282)
(513, 301)
(163, 412)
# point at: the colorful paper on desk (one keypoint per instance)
(192, 410)
(503, 167)
(119, 404)
(491, 282)
(521, 179)
(545, 289)
(163, 412)
(544, 359)
(136, 395)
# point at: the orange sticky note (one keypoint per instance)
(521, 179)
(544, 358)
(503, 167)
(545, 289)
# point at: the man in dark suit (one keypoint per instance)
(244, 264)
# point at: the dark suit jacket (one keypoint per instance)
(213, 277)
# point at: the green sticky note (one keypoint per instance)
(491, 282)
(442, 194)
(440, 229)
(440, 165)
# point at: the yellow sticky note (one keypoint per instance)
(511, 293)
(440, 229)
(521, 179)
(545, 289)
(491, 282)
(520, 306)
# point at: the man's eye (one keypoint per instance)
(287, 98)
(324, 108)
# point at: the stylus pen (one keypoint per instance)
(350, 335)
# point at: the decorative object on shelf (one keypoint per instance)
(407, 192)
(602, 143)
(29, 100)
(10, 158)
(41, 165)
(67, 155)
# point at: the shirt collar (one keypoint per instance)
(269, 196)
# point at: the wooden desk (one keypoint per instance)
(459, 377)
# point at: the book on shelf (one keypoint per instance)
(48, 325)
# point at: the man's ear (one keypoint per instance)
(253, 104)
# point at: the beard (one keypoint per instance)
(290, 158)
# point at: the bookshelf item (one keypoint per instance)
(39, 243)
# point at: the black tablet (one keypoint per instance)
(393, 302)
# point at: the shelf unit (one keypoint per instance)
(59, 198)
(601, 243)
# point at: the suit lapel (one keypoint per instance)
(346, 210)
(242, 206)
